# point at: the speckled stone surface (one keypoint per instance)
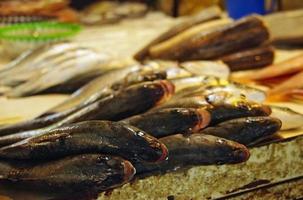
(270, 164)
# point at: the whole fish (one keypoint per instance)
(170, 121)
(65, 71)
(131, 101)
(204, 16)
(85, 172)
(48, 118)
(202, 44)
(246, 130)
(222, 112)
(113, 138)
(193, 150)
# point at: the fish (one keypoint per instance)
(106, 137)
(204, 16)
(254, 58)
(218, 86)
(290, 118)
(91, 62)
(164, 122)
(48, 119)
(194, 150)
(211, 43)
(133, 100)
(207, 68)
(222, 110)
(84, 172)
(245, 130)
(286, 67)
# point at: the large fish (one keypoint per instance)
(195, 149)
(170, 121)
(133, 100)
(85, 172)
(196, 44)
(246, 130)
(114, 138)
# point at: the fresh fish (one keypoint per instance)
(250, 59)
(214, 86)
(207, 68)
(170, 121)
(113, 138)
(38, 59)
(195, 149)
(204, 16)
(85, 172)
(133, 100)
(223, 110)
(246, 130)
(290, 118)
(201, 44)
(47, 119)
(68, 70)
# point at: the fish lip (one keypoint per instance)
(241, 154)
(204, 118)
(168, 88)
(129, 170)
(266, 109)
(164, 155)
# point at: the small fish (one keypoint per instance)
(246, 130)
(170, 121)
(193, 150)
(85, 172)
(113, 138)
(133, 100)
(290, 118)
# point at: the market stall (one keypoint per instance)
(123, 101)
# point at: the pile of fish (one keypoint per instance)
(285, 79)
(138, 121)
(48, 68)
(242, 45)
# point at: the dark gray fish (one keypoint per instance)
(133, 100)
(170, 121)
(86, 172)
(222, 112)
(113, 138)
(195, 149)
(245, 130)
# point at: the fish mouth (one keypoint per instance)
(204, 118)
(164, 153)
(241, 154)
(266, 109)
(129, 171)
(168, 88)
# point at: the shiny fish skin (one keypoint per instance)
(131, 101)
(86, 172)
(223, 112)
(114, 138)
(166, 122)
(195, 149)
(245, 130)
